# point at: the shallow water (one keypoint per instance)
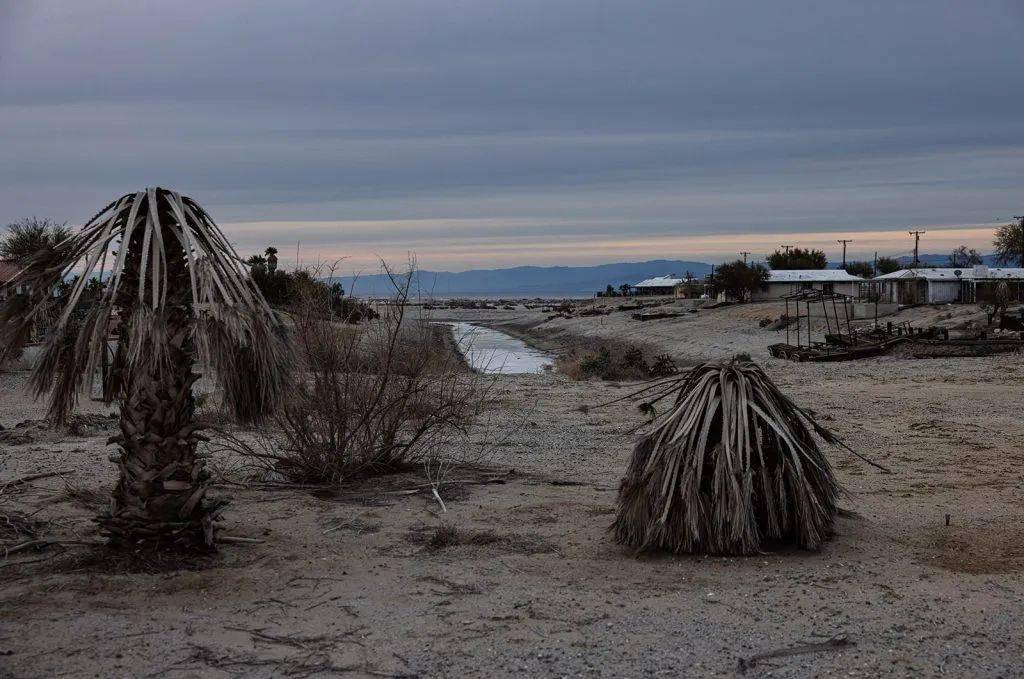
(491, 351)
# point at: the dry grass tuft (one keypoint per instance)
(86, 498)
(448, 535)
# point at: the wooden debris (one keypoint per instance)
(835, 643)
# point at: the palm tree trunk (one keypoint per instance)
(159, 497)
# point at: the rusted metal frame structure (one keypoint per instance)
(808, 297)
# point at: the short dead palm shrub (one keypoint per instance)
(731, 465)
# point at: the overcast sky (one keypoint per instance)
(488, 133)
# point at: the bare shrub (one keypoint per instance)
(370, 398)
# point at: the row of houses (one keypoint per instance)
(779, 283)
(906, 286)
(946, 285)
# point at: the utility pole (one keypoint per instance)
(787, 248)
(844, 242)
(917, 241)
(874, 265)
(744, 253)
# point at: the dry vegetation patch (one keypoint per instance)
(367, 399)
(975, 549)
(613, 360)
(448, 535)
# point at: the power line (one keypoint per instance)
(744, 253)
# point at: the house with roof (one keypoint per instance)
(787, 281)
(947, 285)
(659, 285)
(8, 270)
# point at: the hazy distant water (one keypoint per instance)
(491, 351)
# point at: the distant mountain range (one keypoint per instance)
(554, 281)
(525, 281)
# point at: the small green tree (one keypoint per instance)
(739, 279)
(271, 254)
(26, 237)
(886, 265)
(798, 258)
(1009, 243)
(963, 257)
(862, 269)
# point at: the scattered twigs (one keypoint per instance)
(835, 643)
(34, 477)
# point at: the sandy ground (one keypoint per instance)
(343, 584)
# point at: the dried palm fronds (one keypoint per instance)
(177, 295)
(731, 465)
(129, 246)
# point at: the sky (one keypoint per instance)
(485, 133)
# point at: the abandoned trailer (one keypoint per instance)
(968, 285)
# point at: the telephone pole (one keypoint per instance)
(917, 241)
(844, 242)
(787, 248)
(744, 253)
(874, 265)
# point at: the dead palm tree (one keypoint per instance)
(183, 297)
(731, 465)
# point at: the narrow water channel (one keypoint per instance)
(491, 351)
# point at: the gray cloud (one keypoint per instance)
(541, 120)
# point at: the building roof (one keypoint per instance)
(812, 276)
(980, 272)
(659, 282)
(8, 270)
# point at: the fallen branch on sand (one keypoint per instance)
(239, 540)
(836, 642)
(46, 542)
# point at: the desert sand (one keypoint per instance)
(347, 583)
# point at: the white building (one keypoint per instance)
(785, 281)
(947, 285)
(659, 285)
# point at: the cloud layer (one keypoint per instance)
(485, 133)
